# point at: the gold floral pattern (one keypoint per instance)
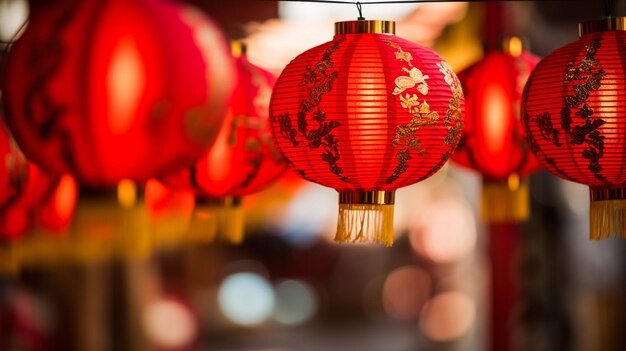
(421, 114)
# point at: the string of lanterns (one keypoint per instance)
(114, 94)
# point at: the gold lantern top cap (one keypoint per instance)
(609, 24)
(365, 27)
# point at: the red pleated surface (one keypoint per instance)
(493, 141)
(117, 89)
(243, 159)
(367, 112)
(574, 110)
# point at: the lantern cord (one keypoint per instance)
(608, 8)
(403, 1)
(358, 7)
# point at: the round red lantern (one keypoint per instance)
(365, 114)
(242, 161)
(116, 89)
(573, 111)
(493, 141)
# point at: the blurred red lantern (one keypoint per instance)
(13, 167)
(493, 137)
(243, 159)
(57, 207)
(365, 114)
(573, 111)
(24, 186)
(120, 89)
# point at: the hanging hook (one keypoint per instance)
(358, 7)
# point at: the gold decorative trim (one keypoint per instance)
(226, 201)
(513, 46)
(365, 27)
(367, 197)
(238, 48)
(604, 194)
(604, 25)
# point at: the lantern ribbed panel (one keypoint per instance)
(493, 141)
(574, 113)
(353, 129)
(589, 146)
(116, 89)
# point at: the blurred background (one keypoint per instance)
(450, 281)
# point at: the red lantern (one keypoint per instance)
(493, 137)
(365, 114)
(24, 186)
(243, 159)
(57, 207)
(119, 89)
(573, 111)
(13, 167)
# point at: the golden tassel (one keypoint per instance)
(169, 231)
(505, 201)
(203, 226)
(231, 221)
(366, 217)
(607, 213)
(223, 217)
(108, 224)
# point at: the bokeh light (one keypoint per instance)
(246, 299)
(169, 324)
(311, 213)
(13, 13)
(447, 316)
(446, 232)
(296, 302)
(405, 291)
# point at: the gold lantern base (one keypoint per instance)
(366, 217)
(505, 201)
(223, 217)
(607, 213)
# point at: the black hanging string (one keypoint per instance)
(407, 1)
(358, 7)
(608, 8)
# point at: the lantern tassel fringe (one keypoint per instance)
(209, 221)
(501, 204)
(607, 219)
(365, 223)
